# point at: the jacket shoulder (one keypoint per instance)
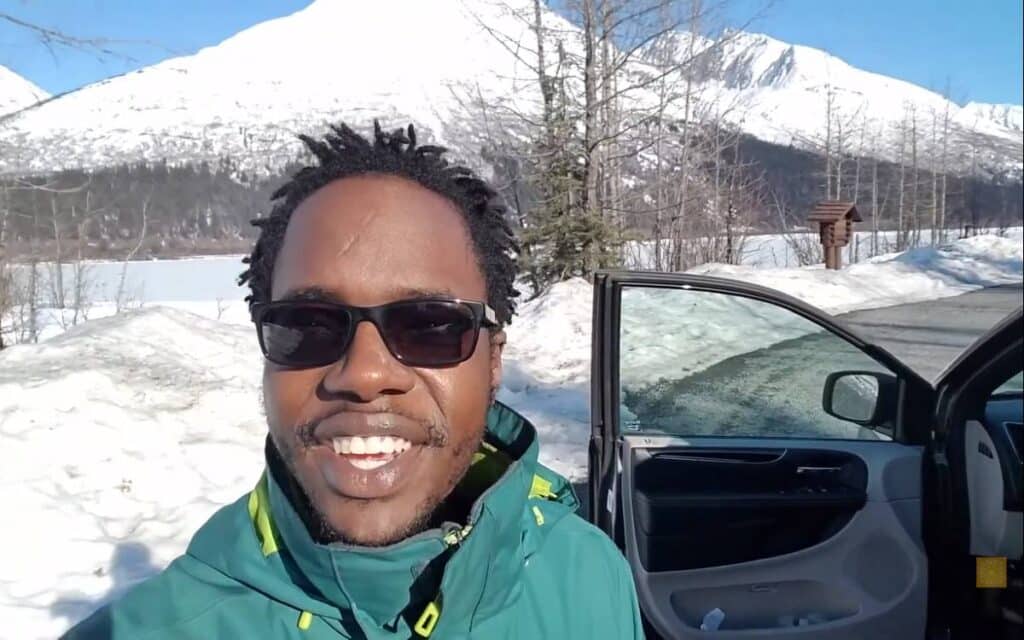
(579, 569)
(163, 606)
(570, 533)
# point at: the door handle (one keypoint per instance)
(805, 470)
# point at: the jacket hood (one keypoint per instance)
(438, 581)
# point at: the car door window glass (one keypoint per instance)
(702, 363)
(1013, 385)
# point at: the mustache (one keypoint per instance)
(435, 431)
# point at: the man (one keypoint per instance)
(399, 500)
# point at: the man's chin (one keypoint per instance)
(370, 523)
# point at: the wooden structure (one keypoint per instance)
(835, 226)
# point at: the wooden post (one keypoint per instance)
(835, 228)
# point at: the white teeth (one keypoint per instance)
(359, 446)
(372, 445)
(368, 465)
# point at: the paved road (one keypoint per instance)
(929, 335)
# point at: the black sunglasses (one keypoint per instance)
(425, 332)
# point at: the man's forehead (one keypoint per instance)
(398, 292)
(371, 240)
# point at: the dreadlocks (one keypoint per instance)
(343, 153)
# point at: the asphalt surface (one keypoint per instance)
(928, 336)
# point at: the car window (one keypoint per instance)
(699, 363)
(1014, 385)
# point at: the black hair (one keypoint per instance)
(343, 153)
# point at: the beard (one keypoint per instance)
(431, 512)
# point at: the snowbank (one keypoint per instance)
(122, 435)
(924, 273)
(119, 438)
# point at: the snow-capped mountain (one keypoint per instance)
(780, 92)
(17, 92)
(248, 97)
(434, 63)
(1009, 116)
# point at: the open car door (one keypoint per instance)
(975, 460)
(759, 465)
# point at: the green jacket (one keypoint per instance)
(524, 567)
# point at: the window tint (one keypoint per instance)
(714, 364)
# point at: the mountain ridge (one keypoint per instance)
(17, 92)
(782, 93)
(248, 96)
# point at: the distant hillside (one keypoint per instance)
(247, 96)
(17, 92)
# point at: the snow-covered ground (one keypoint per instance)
(784, 250)
(121, 435)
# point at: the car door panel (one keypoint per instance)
(978, 435)
(995, 529)
(976, 487)
(699, 507)
(746, 509)
(867, 575)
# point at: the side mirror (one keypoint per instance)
(866, 398)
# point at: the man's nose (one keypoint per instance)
(368, 370)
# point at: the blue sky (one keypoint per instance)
(973, 46)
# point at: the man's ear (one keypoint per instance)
(497, 347)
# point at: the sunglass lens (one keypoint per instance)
(430, 333)
(304, 336)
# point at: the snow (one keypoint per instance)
(779, 250)
(1010, 116)
(925, 273)
(251, 94)
(778, 92)
(123, 434)
(248, 96)
(120, 437)
(17, 92)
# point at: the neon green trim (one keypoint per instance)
(486, 468)
(305, 619)
(428, 620)
(538, 516)
(540, 488)
(259, 513)
(457, 536)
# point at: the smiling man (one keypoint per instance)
(400, 500)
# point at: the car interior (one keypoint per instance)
(770, 519)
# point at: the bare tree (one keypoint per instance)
(876, 212)
(121, 298)
(901, 233)
(944, 167)
(7, 301)
(915, 180)
(805, 247)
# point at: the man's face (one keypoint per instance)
(366, 241)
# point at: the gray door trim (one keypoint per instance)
(874, 570)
